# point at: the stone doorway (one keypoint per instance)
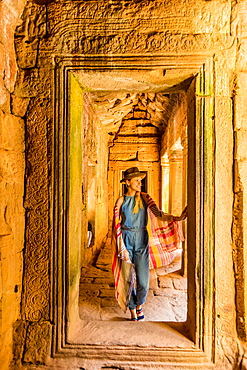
(75, 211)
(78, 331)
(140, 126)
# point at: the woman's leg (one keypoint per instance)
(129, 240)
(141, 262)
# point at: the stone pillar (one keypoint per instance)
(176, 181)
(240, 203)
(165, 176)
(184, 202)
(184, 171)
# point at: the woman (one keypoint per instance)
(133, 251)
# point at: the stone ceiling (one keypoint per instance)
(114, 93)
(111, 108)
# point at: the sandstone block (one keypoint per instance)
(19, 105)
(179, 282)
(147, 130)
(149, 157)
(238, 21)
(106, 293)
(85, 293)
(27, 53)
(85, 280)
(12, 166)
(34, 82)
(222, 86)
(4, 96)
(152, 274)
(109, 281)
(242, 173)
(12, 133)
(139, 114)
(153, 284)
(38, 342)
(165, 282)
(241, 140)
(125, 148)
(123, 156)
(241, 102)
(110, 302)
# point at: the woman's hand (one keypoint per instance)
(183, 215)
(125, 255)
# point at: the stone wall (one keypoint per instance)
(12, 147)
(216, 29)
(239, 30)
(137, 143)
(95, 158)
(174, 147)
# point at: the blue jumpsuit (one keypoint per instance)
(135, 237)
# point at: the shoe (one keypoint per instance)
(140, 315)
(134, 319)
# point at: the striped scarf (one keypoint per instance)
(164, 238)
(123, 271)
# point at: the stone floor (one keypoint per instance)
(166, 301)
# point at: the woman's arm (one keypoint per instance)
(118, 204)
(162, 215)
(122, 253)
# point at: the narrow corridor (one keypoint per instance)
(166, 301)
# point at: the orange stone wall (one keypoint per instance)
(12, 175)
(214, 28)
(136, 144)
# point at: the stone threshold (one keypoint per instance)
(128, 333)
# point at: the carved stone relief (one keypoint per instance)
(238, 19)
(38, 342)
(37, 254)
(88, 27)
(129, 27)
(175, 16)
(34, 82)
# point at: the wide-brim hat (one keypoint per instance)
(132, 172)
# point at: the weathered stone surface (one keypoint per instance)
(107, 28)
(11, 186)
(34, 82)
(27, 53)
(19, 105)
(240, 140)
(11, 231)
(165, 301)
(238, 19)
(36, 272)
(179, 282)
(240, 102)
(165, 282)
(38, 343)
(4, 97)
(12, 133)
(223, 222)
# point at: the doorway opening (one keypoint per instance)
(149, 124)
(194, 332)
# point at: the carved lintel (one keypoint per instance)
(72, 40)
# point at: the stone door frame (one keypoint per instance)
(200, 222)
